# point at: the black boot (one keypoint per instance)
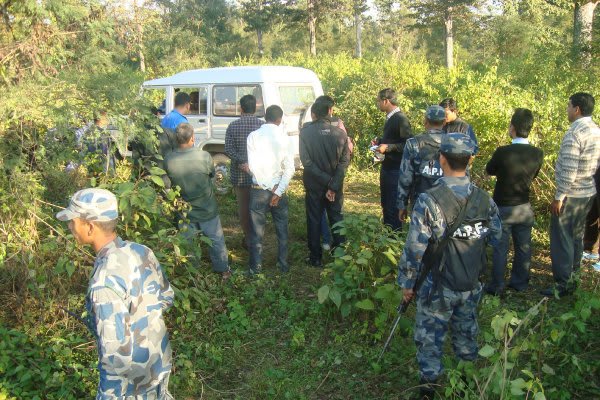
(427, 391)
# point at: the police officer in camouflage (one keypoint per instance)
(451, 289)
(420, 166)
(126, 297)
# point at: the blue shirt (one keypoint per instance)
(172, 120)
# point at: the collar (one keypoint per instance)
(394, 111)
(581, 120)
(118, 242)
(520, 140)
(456, 180)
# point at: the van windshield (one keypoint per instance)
(295, 99)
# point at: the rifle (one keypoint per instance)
(433, 256)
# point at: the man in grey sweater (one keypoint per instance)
(578, 158)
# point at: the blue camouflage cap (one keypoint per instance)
(92, 205)
(435, 113)
(457, 143)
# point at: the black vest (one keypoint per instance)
(464, 258)
(430, 169)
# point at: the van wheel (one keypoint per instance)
(222, 165)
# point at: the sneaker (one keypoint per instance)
(596, 267)
(326, 247)
(590, 256)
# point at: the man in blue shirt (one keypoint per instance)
(177, 116)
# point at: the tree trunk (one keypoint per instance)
(449, 39)
(358, 26)
(259, 37)
(312, 27)
(140, 36)
(582, 31)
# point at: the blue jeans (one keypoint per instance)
(388, 183)
(325, 232)
(566, 239)
(214, 231)
(259, 207)
(517, 222)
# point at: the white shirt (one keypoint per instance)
(394, 111)
(520, 140)
(270, 158)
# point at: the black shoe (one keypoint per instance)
(516, 289)
(314, 263)
(561, 292)
(493, 292)
(427, 391)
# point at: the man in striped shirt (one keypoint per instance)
(578, 158)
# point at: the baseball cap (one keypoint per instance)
(435, 113)
(457, 143)
(91, 204)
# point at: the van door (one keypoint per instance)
(226, 105)
(198, 116)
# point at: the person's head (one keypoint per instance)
(451, 107)
(184, 135)
(456, 150)
(274, 114)
(580, 105)
(101, 119)
(435, 116)
(182, 102)
(92, 215)
(521, 123)
(319, 110)
(248, 104)
(387, 100)
(328, 100)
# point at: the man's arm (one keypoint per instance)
(492, 166)
(340, 170)
(166, 294)
(471, 134)
(495, 225)
(230, 145)
(567, 164)
(322, 177)
(287, 165)
(407, 172)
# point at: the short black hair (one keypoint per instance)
(457, 162)
(449, 103)
(181, 99)
(388, 94)
(522, 121)
(327, 100)
(248, 104)
(320, 109)
(273, 113)
(584, 101)
(184, 133)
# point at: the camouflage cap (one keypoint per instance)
(435, 113)
(92, 205)
(457, 143)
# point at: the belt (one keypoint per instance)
(258, 187)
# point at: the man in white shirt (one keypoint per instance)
(272, 166)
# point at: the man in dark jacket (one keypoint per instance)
(325, 156)
(395, 133)
(454, 123)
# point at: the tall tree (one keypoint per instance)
(583, 22)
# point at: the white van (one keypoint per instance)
(216, 92)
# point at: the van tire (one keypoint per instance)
(221, 179)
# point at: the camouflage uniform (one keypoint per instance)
(126, 297)
(460, 310)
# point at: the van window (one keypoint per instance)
(295, 99)
(226, 100)
(198, 97)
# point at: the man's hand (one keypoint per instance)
(274, 200)
(330, 195)
(402, 214)
(555, 207)
(382, 148)
(245, 167)
(407, 295)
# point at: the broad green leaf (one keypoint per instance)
(362, 261)
(516, 386)
(365, 304)
(548, 369)
(70, 268)
(336, 297)
(157, 180)
(157, 171)
(539, 396)
(323, 293)
(486, 351)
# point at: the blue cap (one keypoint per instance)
(435, 114)
(457, 143)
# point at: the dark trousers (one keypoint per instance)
(315, 201)
(242, 194)
(388, 185)
(566, 239)
(259, 207)
(517, 222)
(590, 235)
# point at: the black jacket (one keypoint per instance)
(396, 132)
(324, 155)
